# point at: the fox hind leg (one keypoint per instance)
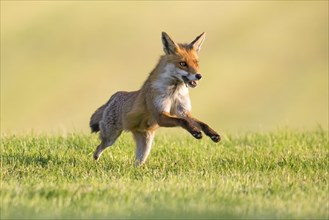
(144, 142)
(108, 140)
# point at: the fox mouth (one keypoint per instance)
(189, 83)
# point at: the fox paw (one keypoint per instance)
(197, 134)
(215, 138)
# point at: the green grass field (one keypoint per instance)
(265, 65)
(282, 174)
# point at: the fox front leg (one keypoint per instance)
(215, 137)
(164, 119)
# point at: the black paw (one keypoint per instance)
(215, 138)
(197, 134)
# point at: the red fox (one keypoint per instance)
(163, 101)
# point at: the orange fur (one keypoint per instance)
(162, 101)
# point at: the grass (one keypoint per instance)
(281, 174)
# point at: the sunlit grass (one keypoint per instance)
(283, 174)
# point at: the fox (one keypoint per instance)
(162, 101)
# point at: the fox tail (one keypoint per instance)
(96, 118)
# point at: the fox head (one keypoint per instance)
(183, 59)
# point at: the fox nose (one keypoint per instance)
(198, 76)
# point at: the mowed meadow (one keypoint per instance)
(277, 175)
(264, 89)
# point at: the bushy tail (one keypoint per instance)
(96, 118)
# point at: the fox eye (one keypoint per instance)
(183, 64)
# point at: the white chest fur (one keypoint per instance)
(171, 97)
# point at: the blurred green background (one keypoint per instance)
(265, 63)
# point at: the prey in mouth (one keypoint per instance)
(190, 79)
(189, 83)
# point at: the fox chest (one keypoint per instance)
(176, 102)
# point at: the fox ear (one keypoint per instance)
(169, 46)
(196, 44)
